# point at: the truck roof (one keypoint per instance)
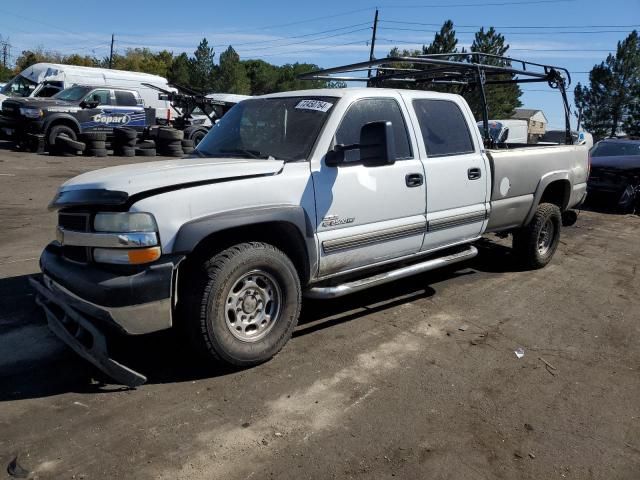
(40, 71)
(357, 92)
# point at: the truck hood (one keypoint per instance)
(39, 102)
(116, 185)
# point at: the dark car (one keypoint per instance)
(615, 174)
(78, 109)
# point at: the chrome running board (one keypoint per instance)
(363, 283)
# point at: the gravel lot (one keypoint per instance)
(414, 380)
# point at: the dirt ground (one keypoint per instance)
(417, 379)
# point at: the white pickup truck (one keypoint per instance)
(315, 193)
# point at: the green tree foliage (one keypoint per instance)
(180, 70)
(203, 68)
(232, 74)
(502, 100)
(5, 73)
(199, 72)
(263, 77)
(610, 101)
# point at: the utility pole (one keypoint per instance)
(5, 54)
(111, 53)
(373, 40)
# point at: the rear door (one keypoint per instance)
(457, 177)
(370, 214)
(127, 109)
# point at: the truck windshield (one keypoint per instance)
(282, 128)
(19, 87)
(72, 94)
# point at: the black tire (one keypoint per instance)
(188, 150)
(96, 144)
(210, 330)
(197, 137)
(145, 152)
(94, 136)
(60, 131)
(146, 144)
(169, 143)
(532, 249)
(70, 145)
(167, 133)
(96, 152)
(187, 143)
(124, 151)
(119, 143)
(125, 134)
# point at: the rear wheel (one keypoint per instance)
(536, 243)
(247, 305)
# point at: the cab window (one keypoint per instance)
(125, 99)
(103, 97)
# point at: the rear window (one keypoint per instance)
(616, 149)
(444, 129)
(125, 99)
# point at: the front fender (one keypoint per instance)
(195, 231)
(65, 117)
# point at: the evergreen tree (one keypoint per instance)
(203, 69)
(611, 99)
(263, 77)
(232, 75)
(502, 100)
(444, 41)
(180, 70)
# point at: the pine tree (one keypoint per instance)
(444, 41)
(232, 75)
(180, 70)
(610, 102)
(202, 71)
(502, 100)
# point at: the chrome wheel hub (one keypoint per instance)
(545, 237)
(253, 306)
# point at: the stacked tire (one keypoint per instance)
(169, 142)
(96, 144)
(124, 141)
(188, 146)
(146, 148)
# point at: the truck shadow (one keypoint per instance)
(166, 357)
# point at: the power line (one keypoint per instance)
(363, 42)
(419, 42)
(513, 26)
(481, 4)
(559, 32)
(308, 41)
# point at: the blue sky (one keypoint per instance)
(576, 34)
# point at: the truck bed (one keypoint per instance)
(520, 176)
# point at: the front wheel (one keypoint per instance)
(248, 302)
(536, 243)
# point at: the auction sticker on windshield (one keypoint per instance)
(317, 105)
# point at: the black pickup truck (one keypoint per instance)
(78, 109)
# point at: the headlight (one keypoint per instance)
(31, 112)
(124, 222)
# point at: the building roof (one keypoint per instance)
(526, 113)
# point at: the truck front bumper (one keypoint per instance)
(82, 302)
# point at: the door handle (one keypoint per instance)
(414, 179)
(474, 173)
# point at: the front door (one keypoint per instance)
(370, 214)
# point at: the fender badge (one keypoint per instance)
(334, 221)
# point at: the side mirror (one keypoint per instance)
(377, 146)
(89, 103)
(504, 134)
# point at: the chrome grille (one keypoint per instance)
(79, 222)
